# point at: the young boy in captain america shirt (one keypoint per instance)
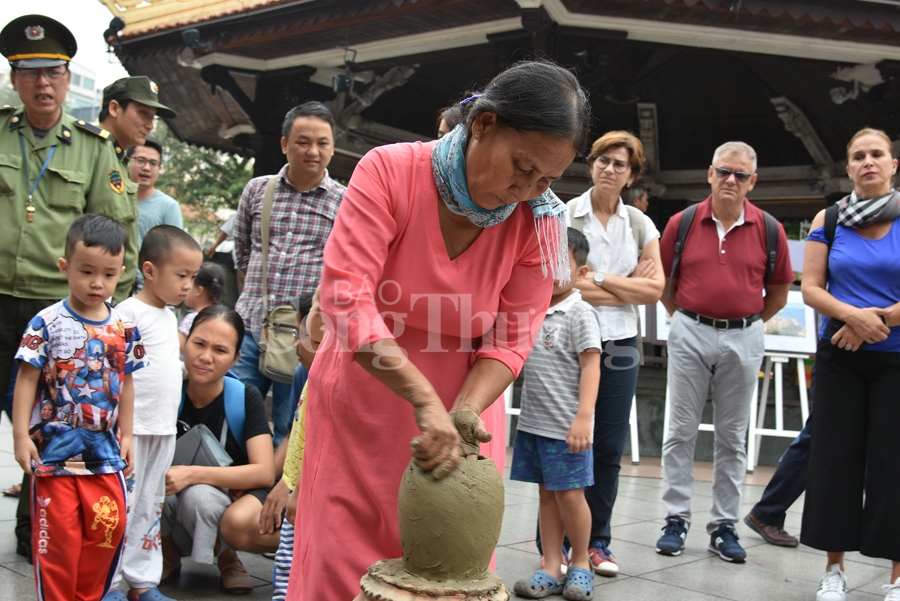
(78, 355)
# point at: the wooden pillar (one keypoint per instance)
(649, 134)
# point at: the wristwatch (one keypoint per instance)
(599, 278)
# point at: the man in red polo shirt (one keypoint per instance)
(718, 310)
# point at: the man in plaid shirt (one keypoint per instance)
(303, 211)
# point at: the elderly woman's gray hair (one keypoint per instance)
(536, 96)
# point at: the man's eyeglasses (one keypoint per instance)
(142, 162)
(741, 176)
(32, 75)
(618, 166)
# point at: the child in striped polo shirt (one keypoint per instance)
(553, 437)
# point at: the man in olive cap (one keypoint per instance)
(61, 168)
(129, 106)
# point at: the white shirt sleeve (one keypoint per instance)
(228, 226)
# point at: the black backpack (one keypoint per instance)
(687, 218)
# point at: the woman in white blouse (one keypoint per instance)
(621, 277)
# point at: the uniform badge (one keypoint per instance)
(115, 181)
(34, 33)
(154, 87)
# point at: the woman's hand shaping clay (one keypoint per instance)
(471, 431)
(437, 450)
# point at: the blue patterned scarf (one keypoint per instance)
(448, 163)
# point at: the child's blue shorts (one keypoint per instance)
(548, 461)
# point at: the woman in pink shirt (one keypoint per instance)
(436, 279)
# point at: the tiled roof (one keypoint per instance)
(148, 16)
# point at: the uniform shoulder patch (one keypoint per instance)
(115, 181)
(90, 127)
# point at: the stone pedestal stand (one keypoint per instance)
(387, 580)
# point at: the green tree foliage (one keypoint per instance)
(9, 97)
(202, 180)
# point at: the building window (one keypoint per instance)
(76, 79)
(88, 83)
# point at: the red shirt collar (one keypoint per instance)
(752, 213)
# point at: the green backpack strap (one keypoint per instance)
(639, 230)
(638, 227)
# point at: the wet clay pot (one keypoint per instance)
(448, 530)
(450, 527)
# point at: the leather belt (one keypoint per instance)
(95, 427)
(721, 324)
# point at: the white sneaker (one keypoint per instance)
(834, 585)
(892, 590)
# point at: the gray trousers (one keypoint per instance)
(192, 519)
(700, 355)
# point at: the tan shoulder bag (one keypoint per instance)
(277, 356)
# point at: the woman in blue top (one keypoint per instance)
(856, 287)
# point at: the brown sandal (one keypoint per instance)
(13, 491)
(235, 579)
(171, 570)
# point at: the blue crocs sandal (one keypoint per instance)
(540, 585)
(150, 595)
(579, 585)
(115, 595)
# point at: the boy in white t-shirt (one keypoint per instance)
(169, 259)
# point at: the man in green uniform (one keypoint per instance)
(53, 168)
(129, 106)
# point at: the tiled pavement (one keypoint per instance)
(770, 574)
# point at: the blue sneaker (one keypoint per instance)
(724, 542)
(672, 540)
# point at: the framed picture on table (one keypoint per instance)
(793, 329)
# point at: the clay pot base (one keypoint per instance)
(386, 580)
